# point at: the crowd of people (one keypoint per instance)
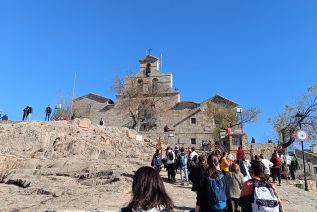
(221, 183)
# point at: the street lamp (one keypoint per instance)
(300, 117)
(239, 110)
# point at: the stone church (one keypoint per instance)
(148, 103)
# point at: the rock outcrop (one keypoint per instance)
(44, 165)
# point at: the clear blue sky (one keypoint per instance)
(258, 53)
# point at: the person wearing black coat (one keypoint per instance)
(197, 171)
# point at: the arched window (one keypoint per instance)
(155, 85)
(148, 69)
(140, 86)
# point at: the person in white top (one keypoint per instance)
(267, 164)
(170, 163)
(193, 157)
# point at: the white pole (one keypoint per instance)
(74, 84)
(161, 62)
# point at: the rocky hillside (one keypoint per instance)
(60, 165)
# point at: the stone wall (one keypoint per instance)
(90, 108)
(259, 148)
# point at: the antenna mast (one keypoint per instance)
(73, 95)
(161, 62)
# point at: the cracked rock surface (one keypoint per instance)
(58, 165)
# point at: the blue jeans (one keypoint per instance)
(184, 173)
(157, 168)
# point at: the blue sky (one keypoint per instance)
(258, 53)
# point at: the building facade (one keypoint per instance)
(148, 103)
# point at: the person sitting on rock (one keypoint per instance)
(148, 193)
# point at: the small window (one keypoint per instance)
(315, 170)
(140, 86)
(193, 141)
(236, 141)
(193, 120)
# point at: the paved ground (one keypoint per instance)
(295, 199)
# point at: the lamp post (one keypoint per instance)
(239, 111)
(300, 117)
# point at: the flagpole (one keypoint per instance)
(73, 95)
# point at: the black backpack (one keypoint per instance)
(170, 156)
(48, 110)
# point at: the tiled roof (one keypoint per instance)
(97, 97)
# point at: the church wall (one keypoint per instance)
(89, 108)
(168, 108)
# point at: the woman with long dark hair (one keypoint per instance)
(148, 192)
(211, 195)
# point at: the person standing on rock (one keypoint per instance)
(148, 193)
(48, 111)
(170, 163)
(29, 113)
(25, 113)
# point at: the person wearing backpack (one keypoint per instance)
(148, 193)
(244, 166)
(170, 164)
(25, 113)
(276, 169)
(257, 194)
(29, 113)
(193, 157)
(48, 111)
(182, 164)
(157, 161)
(177, 152)
(267, 164)
(211, 195)
(233, 182)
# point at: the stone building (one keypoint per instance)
(149, 103)
(310, 159)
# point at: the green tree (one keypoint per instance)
(225, 115)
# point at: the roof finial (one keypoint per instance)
(149, 51)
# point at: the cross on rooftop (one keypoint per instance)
(149, 51)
